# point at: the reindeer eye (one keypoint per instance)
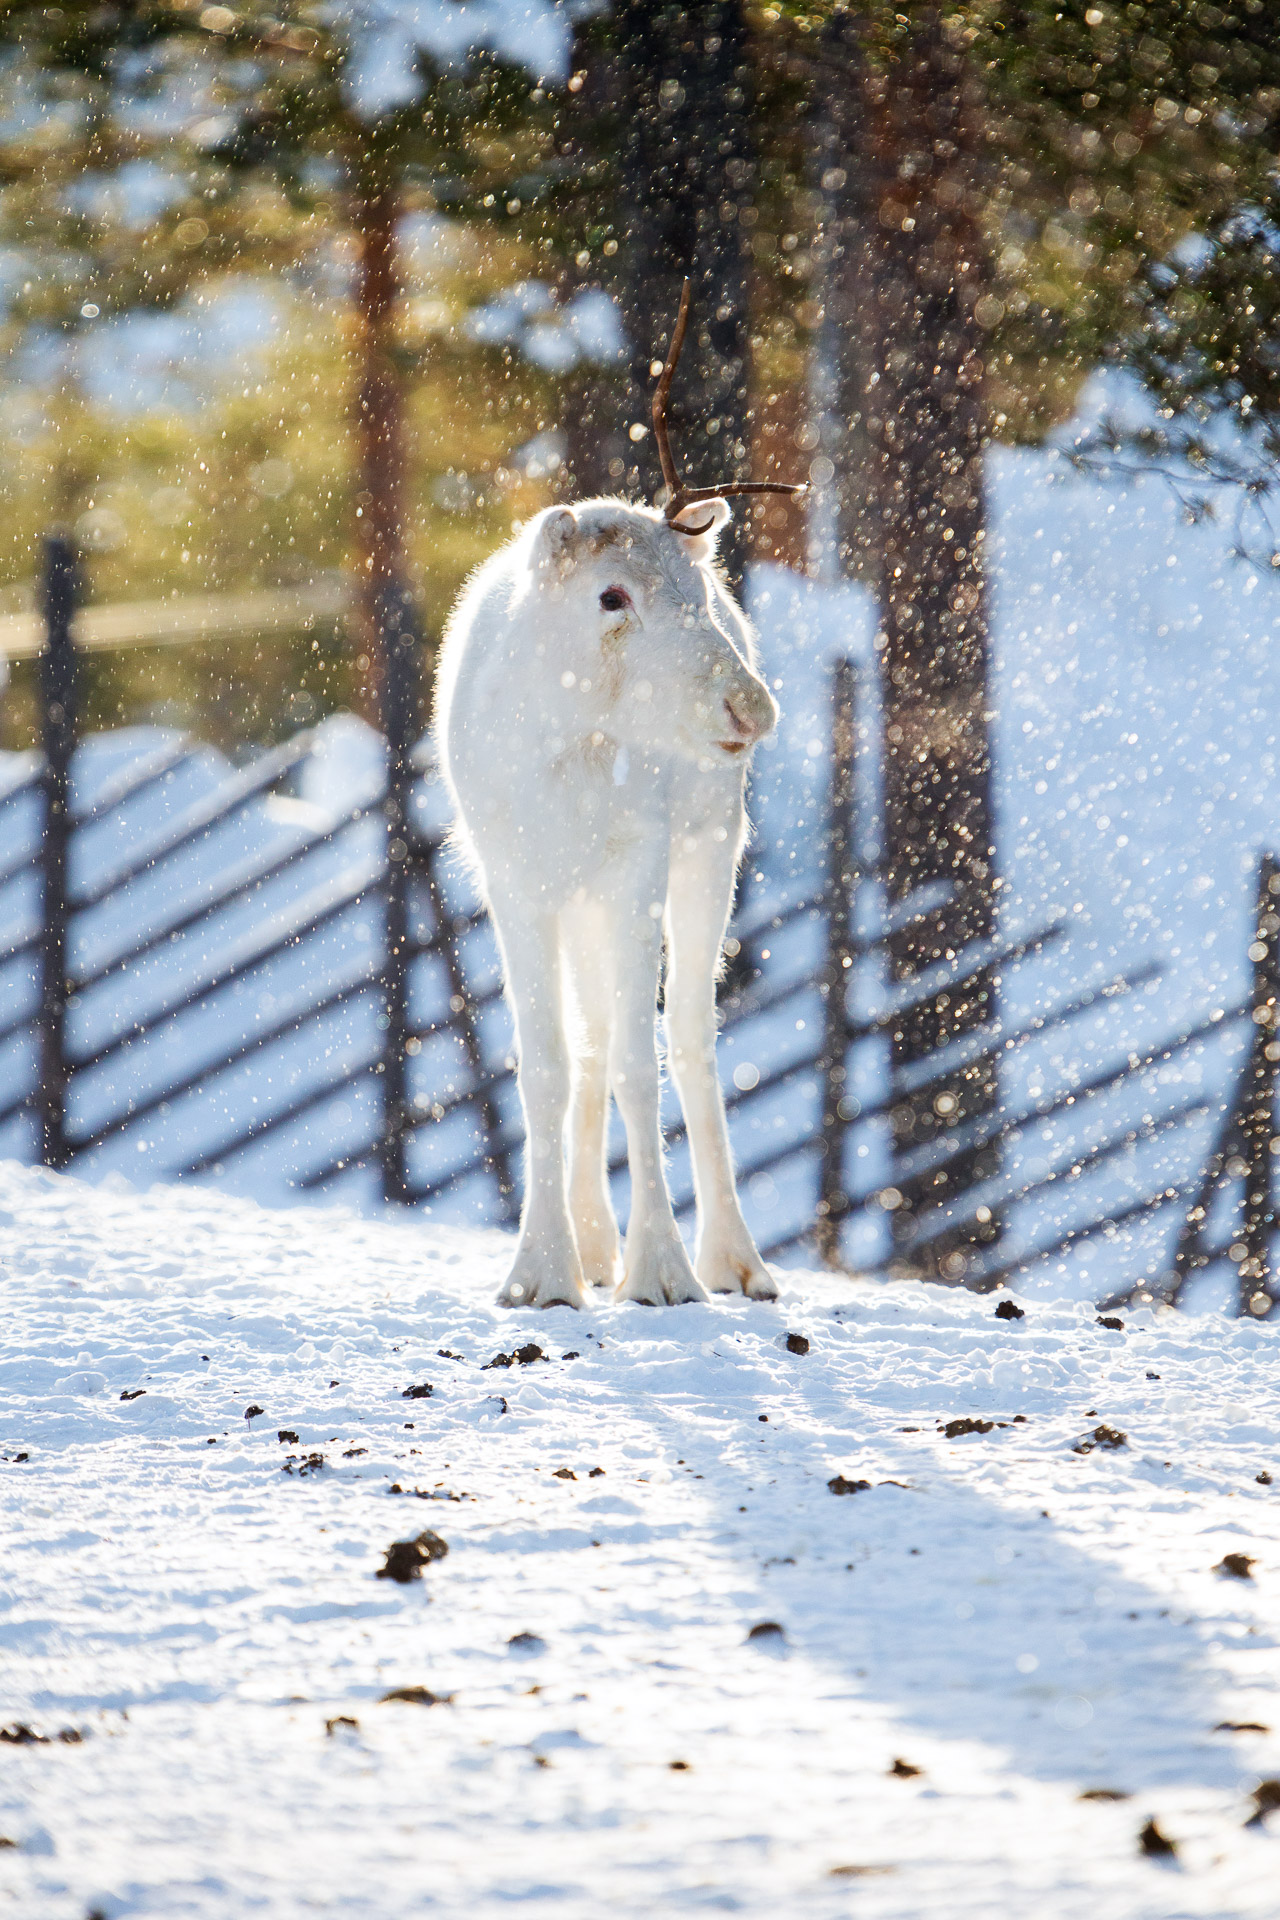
(614, 599)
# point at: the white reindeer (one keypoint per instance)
(597, 702)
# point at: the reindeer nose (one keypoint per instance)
(750, 710)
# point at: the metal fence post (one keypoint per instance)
(1257, 1120)
(832, 1199)
(60, 594)
(400, 640)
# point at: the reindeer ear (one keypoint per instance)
(556, 538)
(700, 543)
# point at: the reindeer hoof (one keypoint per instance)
(731, 1274)
(661, 1278)
(550, 1285)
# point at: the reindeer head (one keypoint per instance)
(651, 648)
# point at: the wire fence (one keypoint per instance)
(97, 1038)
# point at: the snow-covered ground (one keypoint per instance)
(971, 1649)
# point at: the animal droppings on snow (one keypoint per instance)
(19, 1734)
(423, 1391)
(903, 1770)
(1237, 1566)
(1110, 1320)
(1156, 1845)
(956, 1429)
(1010, 1310)
(416, 1697)
(526, 1644)
(796, 1343)
(1266, 1799)
(405, 1559)
(767, 1630)
(521, 1357)
(305, 1468)
(1102, 1436)
(838, 1484)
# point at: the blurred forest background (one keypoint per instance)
(299, 290)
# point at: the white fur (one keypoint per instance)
(601, 807)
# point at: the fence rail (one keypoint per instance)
(827, 1113)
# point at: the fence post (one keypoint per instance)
(400, 640)
(60, 592)
(1257, 1119)
(832, 1199)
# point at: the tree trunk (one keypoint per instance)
(380, 431)
(391, 637)
(687, 174)
(897, 167)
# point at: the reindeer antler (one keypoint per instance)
(679, 496)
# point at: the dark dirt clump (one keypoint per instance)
(1266, 1799)
(1103, 1436)
(1010, 1310)
(955, 1429)
(796, 1343)
(564, 1473)
(767, 1630)
(1103, 1793)
(423, 1391)
(342, 1720)
(1110, 1320)
(309, 1464)
(521, 1357)
(416, 1697)
(903, 1770)
(287, 1437)
(1241, 1726)
(527, 1643)
(1238, 1566)
(405, 1559)
(838, 1484)
(136, 1393)
(1156, 1845)
(251, 1413)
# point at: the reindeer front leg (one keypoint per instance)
(701, 890)
(546, 1271)
(656, 1269)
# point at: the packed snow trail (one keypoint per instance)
(1017, 1621)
